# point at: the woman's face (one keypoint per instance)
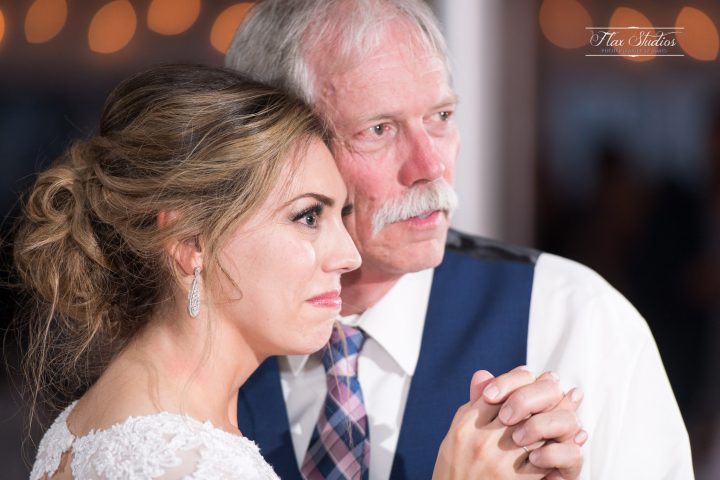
(286, 261)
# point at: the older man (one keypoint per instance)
(427, 308)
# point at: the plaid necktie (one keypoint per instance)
(340, 445)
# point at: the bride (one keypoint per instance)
(197, 234)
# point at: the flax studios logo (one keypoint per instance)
(634, 42)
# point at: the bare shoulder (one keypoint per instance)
(122, 391)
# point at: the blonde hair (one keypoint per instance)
(204, 143)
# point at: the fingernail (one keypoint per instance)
(525, 367)
(581, 437)
(491, 392)
(534, 456)
(518, 435)
(554, 375)
(577, 395)
(506, 413)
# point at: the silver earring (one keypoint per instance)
(194, 294)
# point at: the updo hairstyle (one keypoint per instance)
(202, 142)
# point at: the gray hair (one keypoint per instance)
(274, 42)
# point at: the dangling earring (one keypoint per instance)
(194, 294)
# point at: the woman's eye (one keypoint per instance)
(309, 216)
(310, 219)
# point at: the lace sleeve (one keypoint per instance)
(168, 446)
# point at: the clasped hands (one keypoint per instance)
(514, 426)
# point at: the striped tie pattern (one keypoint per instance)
(340, 445)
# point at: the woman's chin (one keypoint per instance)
(315, 339)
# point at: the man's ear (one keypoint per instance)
(186, 254)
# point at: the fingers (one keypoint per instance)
(479, 381)
(558, 425)
(475, 416)
(483, 411)
(571, 400)
(540, 396)
(566, 457)
(499, 388)
(580, 438)
(527, 471)
(485, 414)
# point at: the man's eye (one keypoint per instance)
(378, 129)
(444, 116)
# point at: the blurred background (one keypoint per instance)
(611, 161)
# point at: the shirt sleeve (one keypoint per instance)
(583, 329)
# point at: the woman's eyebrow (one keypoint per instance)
(324, 199)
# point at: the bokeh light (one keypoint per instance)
(112, 27)
(44, 20)
(172, 17)
(564, 23)
(699, 37)
(226, 23)
(2, 26)
(629, 17)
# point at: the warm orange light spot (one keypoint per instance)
(226, 23)
(112, 27)
(172, 17)
(699, 38)
(2, 26)
(628, 17)
(564, 23)
(44, 20)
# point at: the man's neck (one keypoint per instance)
(364, 288)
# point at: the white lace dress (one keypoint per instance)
(160, 446)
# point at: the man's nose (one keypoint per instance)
(423, 162)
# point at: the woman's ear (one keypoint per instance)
(186, 254)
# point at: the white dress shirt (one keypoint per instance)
(579, 327)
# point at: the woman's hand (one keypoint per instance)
(480, 442)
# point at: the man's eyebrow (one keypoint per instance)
(324, 199)
(377, 118)
(451, 99)
(448, 101)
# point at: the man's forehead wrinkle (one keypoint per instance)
(385, 69)
(398, 42)
(373, 88)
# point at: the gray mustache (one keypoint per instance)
(436, 195)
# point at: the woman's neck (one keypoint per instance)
(176, 364)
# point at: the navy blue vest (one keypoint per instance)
(477, 319)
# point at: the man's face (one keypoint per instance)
(393, 114)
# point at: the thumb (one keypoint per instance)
(478, 383)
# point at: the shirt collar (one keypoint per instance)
(396, 322)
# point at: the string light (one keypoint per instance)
(44, 20)
(112, 27)
(564, 22)
(2, 25)
(624, 17)
(699, 37)
(225, 25)
(172, 17)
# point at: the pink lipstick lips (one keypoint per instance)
(330, 299)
